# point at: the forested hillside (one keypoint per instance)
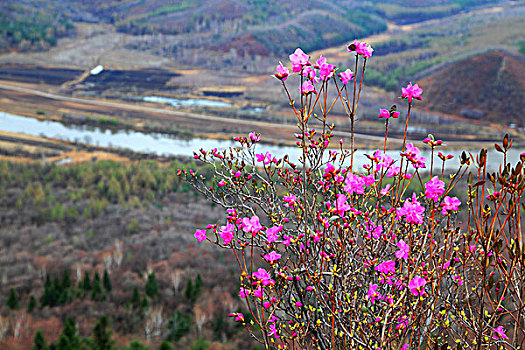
(250, 27)
(110, 239)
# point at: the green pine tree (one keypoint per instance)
(45, 298)
(198, 286)
(31, 304)
(66, 280)
(96, 292)
(189, 291)
(106, 281)
(96, 277)
(60, 295)
(102, 335)
(135, 298)
(57, 285)
(63, 343)
(145, 303)
(86, 282)
(152, 288)
(165, 346)
(136, 345)
(12, 301)
(39, 342)
(70, 332)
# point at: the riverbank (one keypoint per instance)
(152, 117)
(55, 139)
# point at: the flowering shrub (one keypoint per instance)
(332, 257)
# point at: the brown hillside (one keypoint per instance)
(488, 87)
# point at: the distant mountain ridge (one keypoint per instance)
(488, 86)
(249, 27)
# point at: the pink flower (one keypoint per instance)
(385, 190)
(445, 265)
(412, 210)
(272, 257)
(384, 161)
(264, 277)
(226, 233)
(251, 225)
(369, 180)
(450, 204)
(310, 74)
(273, 331)
(326, 71)
(414, 155)
(404, 347)
(361, 48)
(373, 294)
(290, 200)
(458, 279)
(493, 196)
(254, 137)
(354, 184)
(265, 158)
(346, 76)
(403, 251)
(499, 333)
(222, 183)
(373, 230)
(200, 235)
(386, 267)
(261, 274)
(417, 286)
(287, 240)
(434, 188)
(431, 142)
(393, 171)
(384, 113)
(238, 317)
(445, 157)
(243, 292)
(307, 88)
(258, 293)
(402, 322)
(272, 233)
(281, 72)
(321, 61)
(299, 59)
(411, 92)
(340, 205)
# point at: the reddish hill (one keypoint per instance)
(489, 87)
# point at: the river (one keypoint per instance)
(164, 144)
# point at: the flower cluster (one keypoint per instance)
(331, 256)
(411, 92)
(321, 71)
(360, 48)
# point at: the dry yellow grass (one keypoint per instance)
(85, 156)
(77, 156)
